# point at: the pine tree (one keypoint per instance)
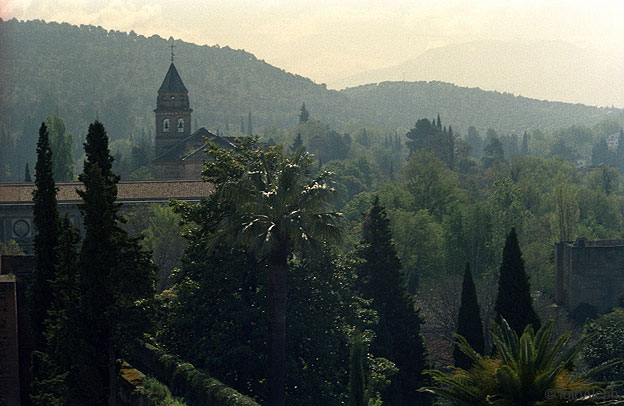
(304, 115)
(249, 126)
(45, 219)
(27, 177)
(380, 278)
(469, 323)
(514, 301)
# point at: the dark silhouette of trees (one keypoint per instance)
(469, 323)
(514, 302)
(397, 335)
(304, 115)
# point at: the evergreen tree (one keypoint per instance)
(242, 126)
(45, 220)
(27, 177)
(304, 115)
(298, 142)
(249, 126)
(469, 323)
(525, 144)
(514, 302)
(380, 278)
(114, 275)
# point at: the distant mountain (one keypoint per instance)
(83, 73)
(548, 70)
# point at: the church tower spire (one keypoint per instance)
(173, 111)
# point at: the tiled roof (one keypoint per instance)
(147, 190)
(172, 82)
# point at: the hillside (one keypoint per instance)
(83, 73)
(551, 70)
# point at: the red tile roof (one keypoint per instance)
(147, 190)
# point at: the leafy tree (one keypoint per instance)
(357, 381)
(600, 153)
(61, 144)
(469, 323)
(493, 151)
(514, 302)
(605, 343)
(474, 140)
(115, 276)
(275, 210)
(432, 185)
(526, 370)
(397, 336)
(45, 221)
(304, 115)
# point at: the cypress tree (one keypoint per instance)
(381, 278)
(242, 126)
(249, 126)
(514, 302)
(114, 273)
(45, 221)
(296, 143)
(304, 115)
(27, 177)
(469, 323)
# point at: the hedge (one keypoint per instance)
(184, 380)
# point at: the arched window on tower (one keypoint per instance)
(180, 125)
(166, 125)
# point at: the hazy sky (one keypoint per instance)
(326, 40)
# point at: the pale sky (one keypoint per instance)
(326, 40)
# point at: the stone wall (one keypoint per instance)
(590, 272)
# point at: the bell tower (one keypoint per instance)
(173, 112)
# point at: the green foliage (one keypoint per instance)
(397, 335)
(357, 381)
(45, 221)
(61, 144)
(304, 115)
(10, 248)
(469, 323)
(606, 344)
(526, 370)
(514, 302)
(184, 380)
(158, 393)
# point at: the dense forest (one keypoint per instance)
(83, 73)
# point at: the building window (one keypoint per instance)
(166, 125)
(180, 125)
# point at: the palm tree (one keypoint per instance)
(274, 209)
(524, 371)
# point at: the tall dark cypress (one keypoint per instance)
(381, 278)
(514, 301)
(45, 220)
(249, 125)
(113, 272)
(469, 323)
(27, 177)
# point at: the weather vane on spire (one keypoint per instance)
(172, 54)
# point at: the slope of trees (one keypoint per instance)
(49, 67)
